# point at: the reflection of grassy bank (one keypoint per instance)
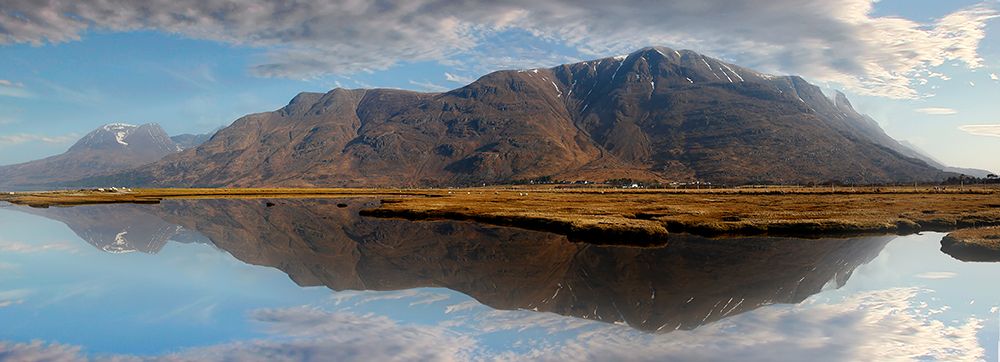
(85, 197)
(982, 244)
(634, 215)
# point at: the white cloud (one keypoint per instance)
(20, 138)
(837, 41)
(981, 129)
(458, 79)
(994, 76)
(936, 111)
(13, 89)
(7, 83)
(937, 275)
(429, 86)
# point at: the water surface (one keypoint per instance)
(308, 279)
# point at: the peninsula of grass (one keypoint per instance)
(631, 216)
(980, 244)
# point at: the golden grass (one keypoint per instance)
(631, 216)
(978, 244)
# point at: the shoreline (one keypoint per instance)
(632, 217)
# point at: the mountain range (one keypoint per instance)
(656, 114)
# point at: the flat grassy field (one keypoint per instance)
(637, 215)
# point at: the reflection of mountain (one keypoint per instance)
(119, 228)
(688, 283)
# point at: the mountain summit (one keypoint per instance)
(111, 148)
(655, 114)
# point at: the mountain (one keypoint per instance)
(655, 114)
(187, 140)
(918, 153)
(690, 282)
(110, 148)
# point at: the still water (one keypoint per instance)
(312, 280)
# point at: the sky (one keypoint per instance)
(927, 70)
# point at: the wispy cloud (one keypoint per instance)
(21, 138)
(429, 86)
(837, 41)
(937, 111)
(14, 89)
(994, 76)
(201, 76)
(982, 129)
(458, 79)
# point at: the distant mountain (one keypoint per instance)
(655, 114)
(924, 156)
(187, 140)
(110, 148)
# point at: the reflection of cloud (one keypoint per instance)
(200, 311)
(880, 325)
(937, 275)
(992, 130)
(9, 246)
(73, 292)
(463, 306)
(937, 111)
(873, 54)
(39, 351)
(12, 297)
(431, 299)
(320, 335)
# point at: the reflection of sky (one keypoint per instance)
(193, 301)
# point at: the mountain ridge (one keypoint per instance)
(655, 114)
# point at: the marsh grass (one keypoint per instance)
(632, 216)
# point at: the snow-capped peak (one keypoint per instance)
(120, 130)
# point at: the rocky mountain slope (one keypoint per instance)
(655, 114)
(110, 148)
(188, 140)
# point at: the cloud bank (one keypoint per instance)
(992, 130)
(937, 111)
(837, 41)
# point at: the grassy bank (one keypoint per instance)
(634, 216)
(980, 244)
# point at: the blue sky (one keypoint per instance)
(924, 69)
